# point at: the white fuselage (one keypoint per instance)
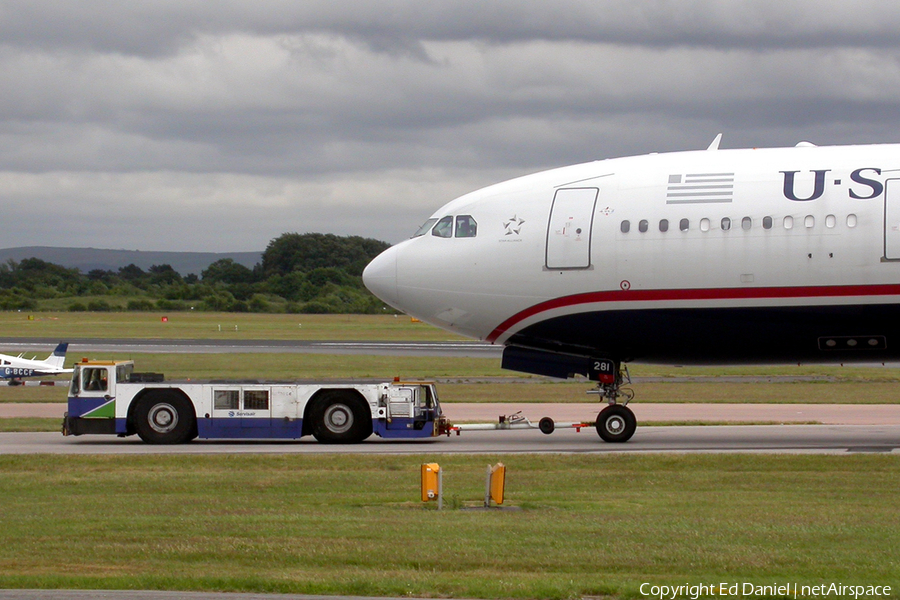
(666, 255)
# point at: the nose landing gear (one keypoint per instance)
(615, 423)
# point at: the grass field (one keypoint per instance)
(869, 385)
(235, 326)
(858, 391)
(588, 525)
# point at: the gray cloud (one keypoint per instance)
(162, 26)
(195, 125)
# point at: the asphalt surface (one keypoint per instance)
(825, 428)
(825, 439)
(824, 414)
(79, 346)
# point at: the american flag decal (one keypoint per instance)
(700, 188)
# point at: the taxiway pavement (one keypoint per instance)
(825, 428)
(78, 346)
(827, 439)
(457, 412)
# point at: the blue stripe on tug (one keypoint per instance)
(293, 429)
(250, 429)
(81, 406)
(76, 424)
(403, 428)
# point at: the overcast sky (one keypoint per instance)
(217, 126)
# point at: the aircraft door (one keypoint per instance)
(892, 219)
(570, 227)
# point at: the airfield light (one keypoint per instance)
(495, 484)
(431, 484)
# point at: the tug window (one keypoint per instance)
(444, 228)
(256, 399)
(226, 399)
(466, 226)
(625, 227)
(643, 226)
(95, 379)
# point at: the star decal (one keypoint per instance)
(513, 225)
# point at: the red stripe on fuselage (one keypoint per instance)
(695, 294)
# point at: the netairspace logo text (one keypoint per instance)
(746, 589)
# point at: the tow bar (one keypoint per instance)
(518, 421)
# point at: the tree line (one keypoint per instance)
(301, 273)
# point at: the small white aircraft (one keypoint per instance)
(15, 368)
(781, 255)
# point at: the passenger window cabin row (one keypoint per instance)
(746, 223)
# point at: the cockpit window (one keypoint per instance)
(466, 226)
(444, 228)
(426, 226)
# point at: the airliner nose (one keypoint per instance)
(380, 277)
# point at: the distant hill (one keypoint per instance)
(88, 259)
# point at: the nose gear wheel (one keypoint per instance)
(616, 423)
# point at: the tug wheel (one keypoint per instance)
(341, 418)
(165, 417)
